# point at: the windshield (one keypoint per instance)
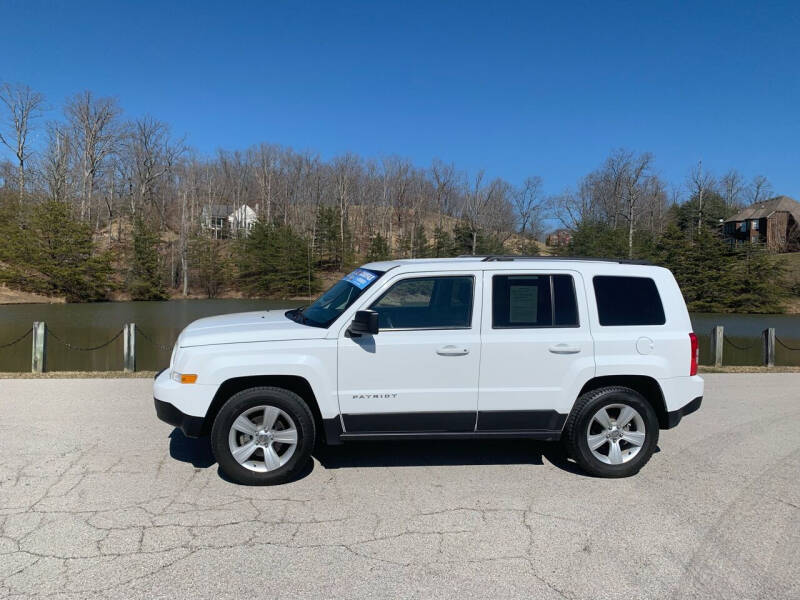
(327, 308)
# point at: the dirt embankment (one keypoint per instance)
(9, 296)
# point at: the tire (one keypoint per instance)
(618, 451)
(265, 456)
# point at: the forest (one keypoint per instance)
(96, 205)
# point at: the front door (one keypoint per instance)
(420, 372)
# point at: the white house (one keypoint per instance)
(223, 219)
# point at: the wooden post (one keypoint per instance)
(768, 337)
(38, 350)
(129, 348)
(717, 336)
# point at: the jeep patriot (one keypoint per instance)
(598, 354)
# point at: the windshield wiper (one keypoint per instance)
(296, 315)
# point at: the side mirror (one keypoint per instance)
(365, 322)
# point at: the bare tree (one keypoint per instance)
(96, 131)
(444, 183)
(733, 189)
(55, 162)
(345, 173)
(760, 189)
(487, 207)
(264, 159)
(700, 183)
(528, 204)
(636, 174)
(571, 208)
(22, 107)
(152, 153)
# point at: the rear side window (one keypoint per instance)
(628, 301)
(526, 301)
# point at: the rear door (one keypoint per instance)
(420, 372)
(537, 349)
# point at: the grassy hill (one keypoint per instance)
(793, 276)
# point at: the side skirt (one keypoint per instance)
(547, 436)
(535, 424)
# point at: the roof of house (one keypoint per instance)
(761, 210)
(225, 210)
(218, 210)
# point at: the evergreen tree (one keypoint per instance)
(421, 248)
(145, 280)
(597, 239)
(442, 243)
(714, 210)
(332, 252)
(50, 252)
(702, 268)
(484, 243)
(210, 264)
(757, 281)
(275, 261)
(378, 249)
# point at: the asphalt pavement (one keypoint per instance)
(99, 499)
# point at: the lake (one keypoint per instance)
(89, 325)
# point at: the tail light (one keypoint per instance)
(695, 354)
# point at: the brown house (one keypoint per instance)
(560, 237)
(775, 223)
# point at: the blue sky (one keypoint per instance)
(517, 88)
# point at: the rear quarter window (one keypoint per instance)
(628, 301)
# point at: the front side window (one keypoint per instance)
(427, 303)
(327, 308)
(628, 301)
(531, 301)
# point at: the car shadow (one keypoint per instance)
(431, 453)
(196, 451)
(395, 453)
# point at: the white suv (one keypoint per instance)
(598, 354)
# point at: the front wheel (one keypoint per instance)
(263, 436)
(611, 432)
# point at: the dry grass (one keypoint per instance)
(80, 375)
(9, 296)
(748, 369)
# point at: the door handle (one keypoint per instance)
(451, 350)
(564, 349)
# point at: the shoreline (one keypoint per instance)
(702, 370)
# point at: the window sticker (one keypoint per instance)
(360, 278)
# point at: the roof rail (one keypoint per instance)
(511, 258)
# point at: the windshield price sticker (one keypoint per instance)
(361, 278)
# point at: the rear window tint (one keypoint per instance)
(528, 301)
(628, 301)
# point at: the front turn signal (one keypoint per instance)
(184, 377)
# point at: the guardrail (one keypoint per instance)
(767, 343)
(40, 335)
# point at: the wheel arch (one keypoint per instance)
(647, 386)
(293, 383)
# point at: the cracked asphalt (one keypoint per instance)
(99, 499)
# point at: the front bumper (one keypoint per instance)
(189, 425)
(674, 416)
(182, 405)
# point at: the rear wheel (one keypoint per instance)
(263, 436)
(612, 432)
